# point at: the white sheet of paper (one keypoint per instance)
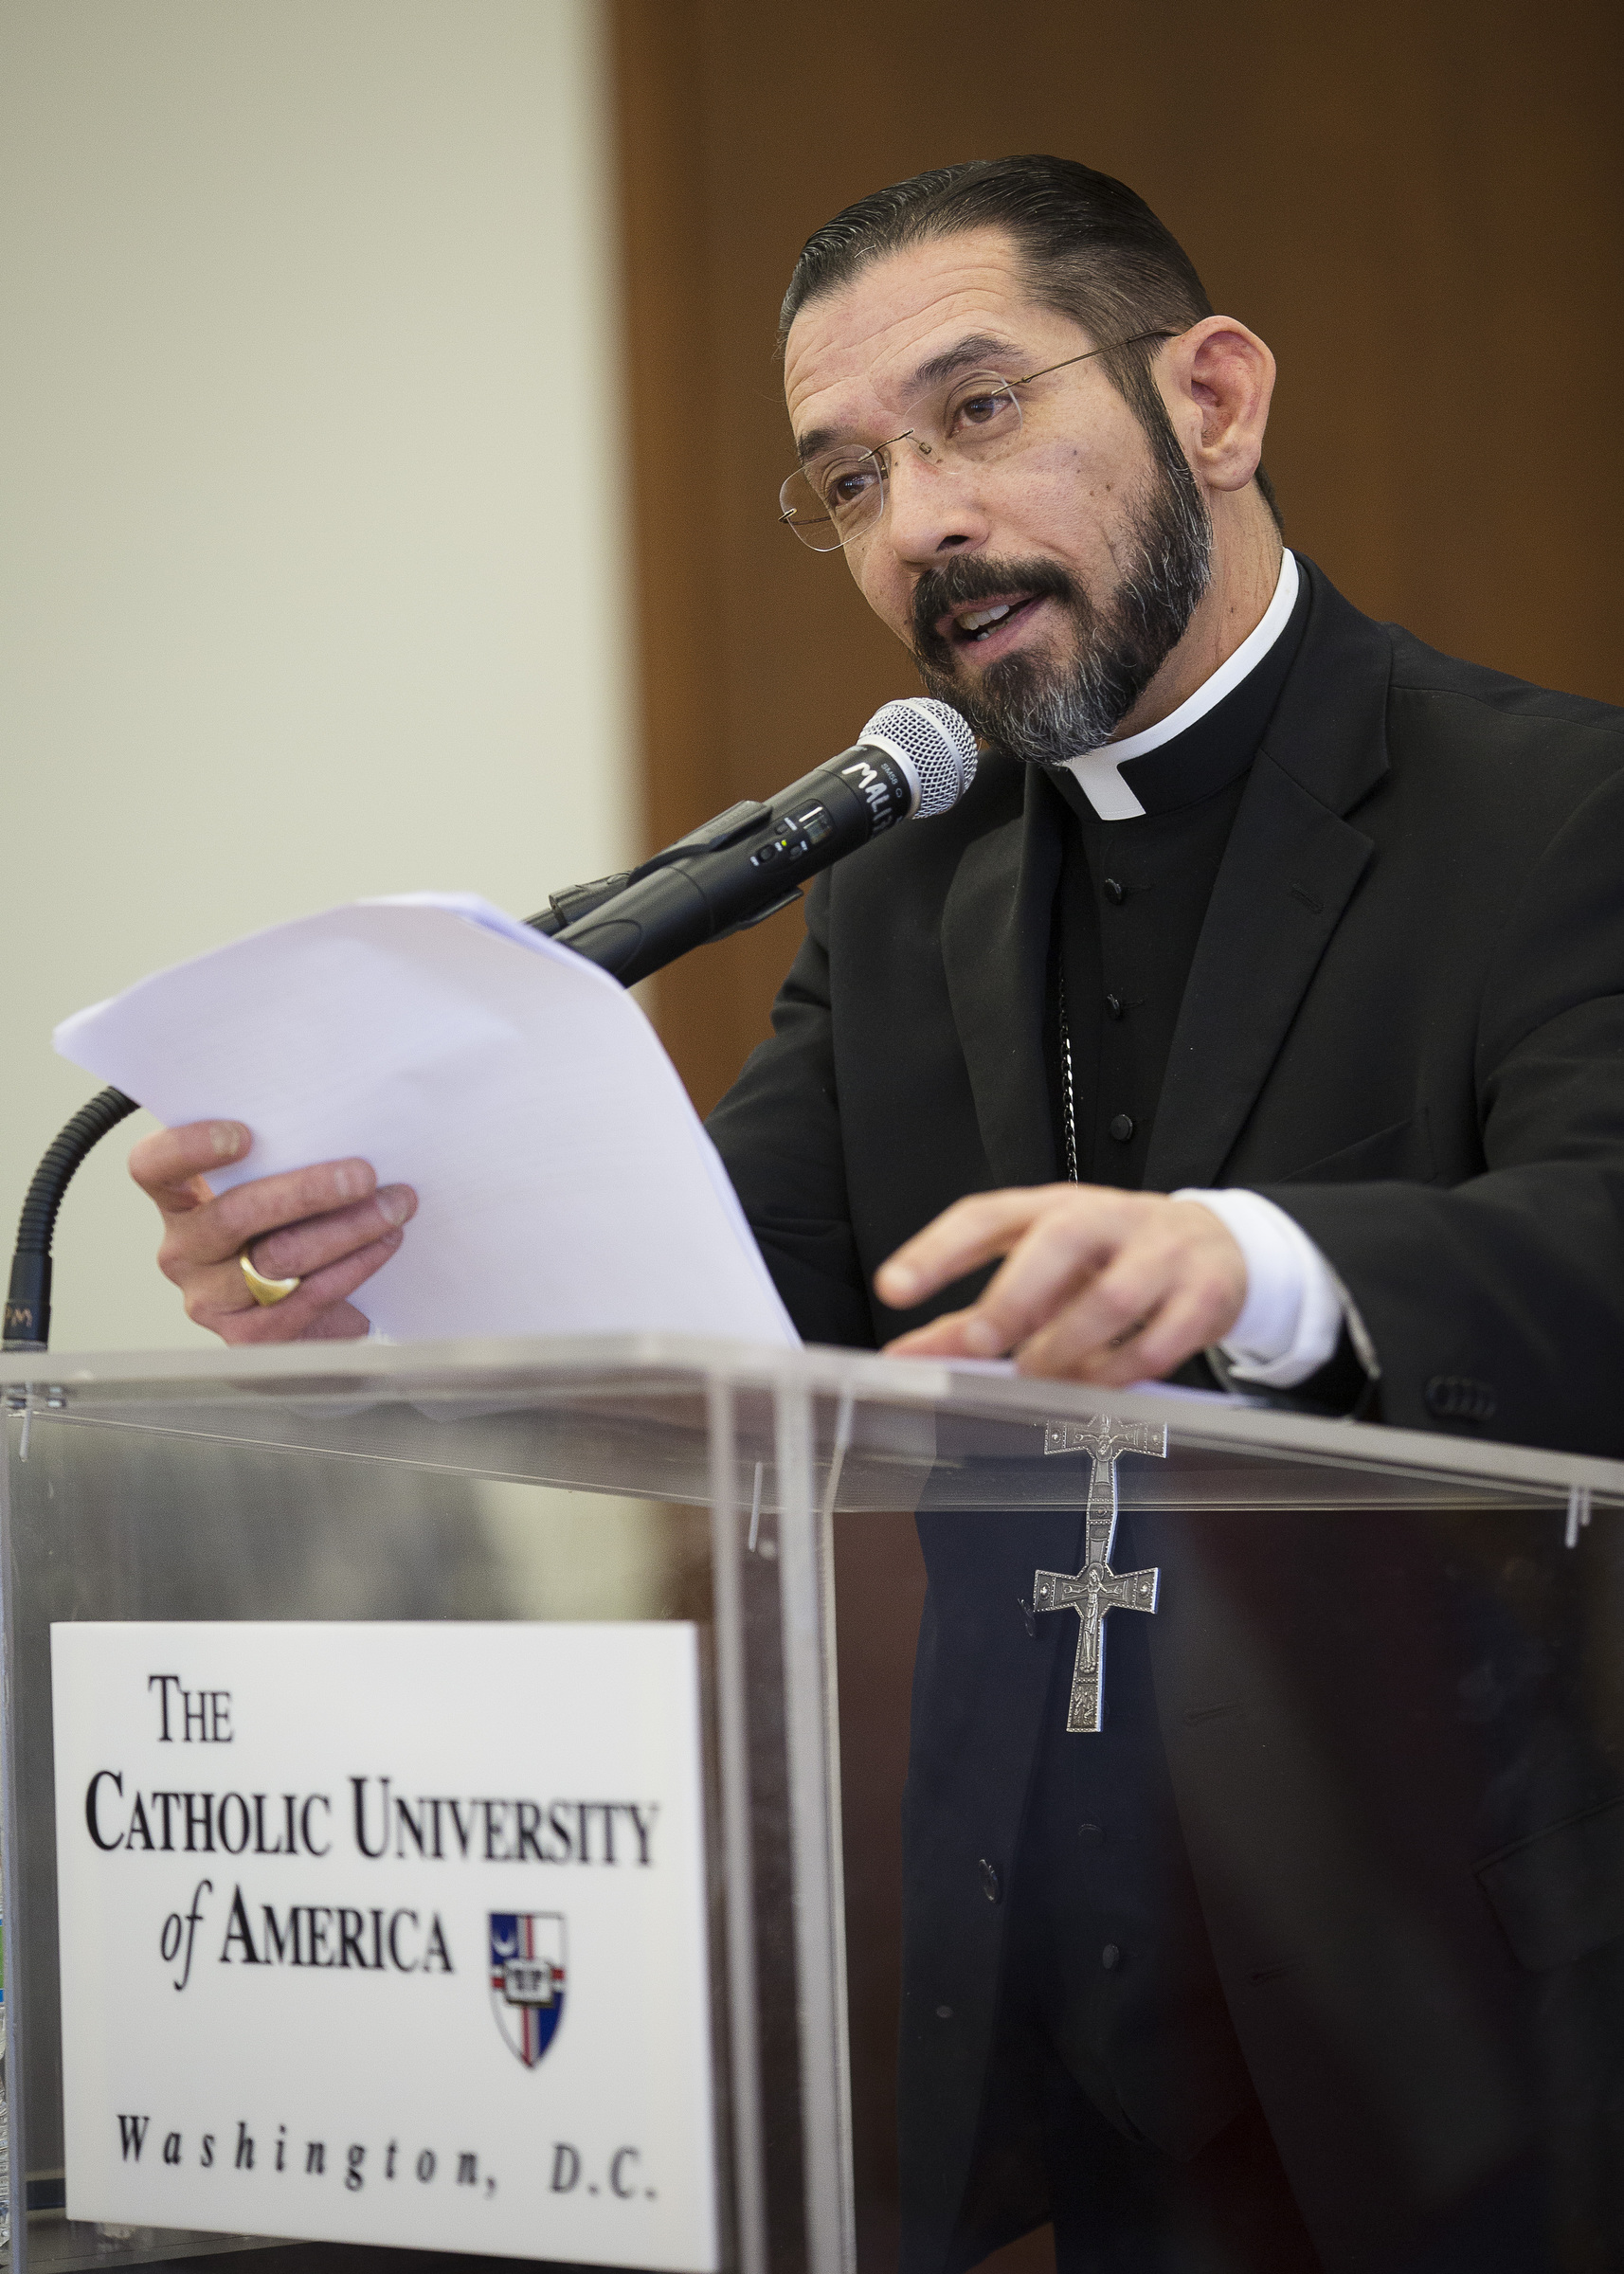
(564, 1184)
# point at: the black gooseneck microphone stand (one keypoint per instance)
(661, 911)
(29, 1297)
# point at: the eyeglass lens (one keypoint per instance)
(834, 497)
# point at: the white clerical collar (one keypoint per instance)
(1097, 772)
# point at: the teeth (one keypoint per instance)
(977, 619)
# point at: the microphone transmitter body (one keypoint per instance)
(753, 860)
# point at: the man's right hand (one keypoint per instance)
(330, 1227)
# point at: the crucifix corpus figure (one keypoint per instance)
(1096, 1589)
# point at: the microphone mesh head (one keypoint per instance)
(934, 740)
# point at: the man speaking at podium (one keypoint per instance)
(1260, 1011)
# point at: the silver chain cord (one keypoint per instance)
(1067, 1089)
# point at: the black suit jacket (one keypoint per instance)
(1399, 1783)
(1411, 975)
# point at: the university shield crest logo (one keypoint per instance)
(527, 1978)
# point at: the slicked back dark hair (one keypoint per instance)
(1090, 246)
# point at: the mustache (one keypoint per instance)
(971, 576)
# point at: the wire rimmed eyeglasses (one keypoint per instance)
(841, 493)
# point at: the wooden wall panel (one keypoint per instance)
(1421, 206)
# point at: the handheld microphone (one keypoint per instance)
(914, 758)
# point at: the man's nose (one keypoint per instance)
(931, 507)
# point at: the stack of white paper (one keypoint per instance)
(564, 1184)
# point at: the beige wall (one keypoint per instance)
(313, 575)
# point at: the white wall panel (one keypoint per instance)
(313, 580)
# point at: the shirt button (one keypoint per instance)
(1091, 1833)
(1120, 1126)
(989, 1880)
(1113, 1007)
(1113, 892)
(1110, 1956)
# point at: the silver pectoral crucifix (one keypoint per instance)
(1096, 1589)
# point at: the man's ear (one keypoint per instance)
(1218, 378)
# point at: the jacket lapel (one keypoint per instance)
(1289, 872)
(995, 939)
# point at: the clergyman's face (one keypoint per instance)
(1039, 591)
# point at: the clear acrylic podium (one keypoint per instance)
(769, 1497)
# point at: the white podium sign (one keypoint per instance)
(388, 1934)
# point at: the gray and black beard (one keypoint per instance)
(1046, 710)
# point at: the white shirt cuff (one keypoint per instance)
(1291, 1320)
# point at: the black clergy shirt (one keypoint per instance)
(1109, 1955)
(1128, 910)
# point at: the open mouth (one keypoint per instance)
(968, 628)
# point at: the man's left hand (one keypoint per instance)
(1097, 1284)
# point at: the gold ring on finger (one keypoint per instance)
(262, 1290)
